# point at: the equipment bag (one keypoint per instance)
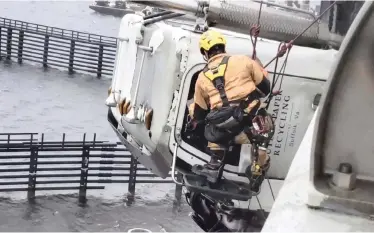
(222, 125)
(225, 117)
(220, 136)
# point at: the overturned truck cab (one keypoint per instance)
(154, 78)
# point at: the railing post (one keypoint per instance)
(20, 45)
(32, 172)
(8, 142)
(45, 52)
(132, 177)
(100, 61)
(71, 56)
(9, 44)
(84, 173)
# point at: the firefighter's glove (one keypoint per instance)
(191, 124)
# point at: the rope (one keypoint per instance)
(262, 209)
(282, 72)
(289, 44)
(271, 188)
(254, 32)
(284, 48)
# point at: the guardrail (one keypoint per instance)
(57, 47)
(30, 164)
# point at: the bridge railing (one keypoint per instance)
(57, 47)
(29, 163)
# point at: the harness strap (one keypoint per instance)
(217, 76)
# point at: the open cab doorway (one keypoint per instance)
(192, 148)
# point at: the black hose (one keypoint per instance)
(160, 18)
(157, 14)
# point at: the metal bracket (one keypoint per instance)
(178, 135)
(201, 23)
(316, 100)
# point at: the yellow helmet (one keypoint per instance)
(209, 39)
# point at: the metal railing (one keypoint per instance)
(57, 47)
(29, 163)
(57, 32)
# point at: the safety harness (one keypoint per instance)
(222, 124)
(216, 76)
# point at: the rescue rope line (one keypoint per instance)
(262, 209)
(284, 48)
(289, 44)
(271, 188)
(254, 32)
(256, 195)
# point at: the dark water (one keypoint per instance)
(64, 213)
(52, 102)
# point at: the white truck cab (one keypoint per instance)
(155, 73)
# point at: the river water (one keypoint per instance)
(53, 102)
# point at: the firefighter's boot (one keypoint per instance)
(211, 169)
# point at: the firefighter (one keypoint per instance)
(227, 102)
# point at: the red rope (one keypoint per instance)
(284, 48)
(254, 32)
(289, 44)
